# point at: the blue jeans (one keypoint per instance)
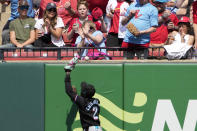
(10, 46)
(6, 33)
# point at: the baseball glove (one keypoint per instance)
(133, 29)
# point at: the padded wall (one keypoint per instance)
(137, 97)
(160, 88)
(21, 97)
(61, 114)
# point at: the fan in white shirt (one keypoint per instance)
(49, 28)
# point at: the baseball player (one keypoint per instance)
(89, 107)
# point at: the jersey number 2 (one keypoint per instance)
(95, 115)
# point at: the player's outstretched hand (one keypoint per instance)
(71, 65)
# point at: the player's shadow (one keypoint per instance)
(71, 117)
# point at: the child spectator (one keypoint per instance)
(14, 15)
(90, 37)
(181, 41)
(116, 10)
(22, 32)
(144, 17)
(49, 28)
(77, 22)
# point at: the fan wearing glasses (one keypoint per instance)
(49, 28)
(22, 33)
(14, 15)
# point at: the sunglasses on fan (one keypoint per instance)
(24, 7)
(52, 10)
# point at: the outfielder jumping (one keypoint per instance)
(89, 108)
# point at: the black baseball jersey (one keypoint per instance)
(89, 109)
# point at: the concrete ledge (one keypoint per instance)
(107, 61)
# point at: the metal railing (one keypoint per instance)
(63, 53)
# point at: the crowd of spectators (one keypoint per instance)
(171, 24)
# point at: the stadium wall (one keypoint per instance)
(134, 97)
(22, 97)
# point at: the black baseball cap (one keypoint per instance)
(51, 6)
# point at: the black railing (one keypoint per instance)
(55, 53)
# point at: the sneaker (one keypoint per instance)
(71, 64)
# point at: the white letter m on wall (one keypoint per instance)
(165, 113)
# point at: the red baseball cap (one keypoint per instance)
(184, 19)
(97, 13)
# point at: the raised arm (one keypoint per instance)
(96, 39)
(68, 87)
(103, 25)
(55, 31)
(179, 3)
(71, 10)
(72, 31)
(71, 91)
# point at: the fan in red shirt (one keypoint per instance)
(116, 11)
(167, 22)
(76, 23)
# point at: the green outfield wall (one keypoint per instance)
(167, 99)
(134, 97)
(21, 97)
(61, 114)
